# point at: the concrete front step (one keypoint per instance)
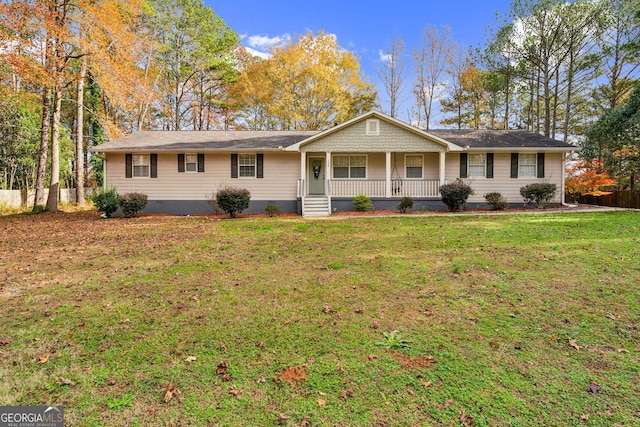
(315, 206)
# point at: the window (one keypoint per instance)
(413, 165)
(141, 165)
(247, 165)
(350, 166)
(373, 127)
(191, 162)
(527, 165)
(477, 165)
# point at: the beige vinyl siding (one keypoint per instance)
(354, 139)
(281, 173)
(502, 181)
(376, 164)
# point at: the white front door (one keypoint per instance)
(315, 175)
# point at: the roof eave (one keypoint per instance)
(517, 149)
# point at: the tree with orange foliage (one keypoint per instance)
(310, 84)
(586, 177)
(50, 39)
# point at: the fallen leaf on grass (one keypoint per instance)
(283, 419)
(465, 419)
(574, 344)
(327, 309)
(261, 379)
(306, 421)
(190, 359)
(426, 384)
(372, 356)
(346, 393)
(226, 378)
(593, 387)
(222, 368)
(65, 381)
(170, 391)
(584, 417)
(235, 390)
(44, 359)
(322, 403)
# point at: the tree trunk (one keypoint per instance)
(79, 163)
(567, 112)
(44, 149)
(54, 187)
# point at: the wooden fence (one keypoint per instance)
(620, 199)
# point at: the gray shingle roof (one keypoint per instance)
(498, 139)
(204, 141)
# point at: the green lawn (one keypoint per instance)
(502, 320)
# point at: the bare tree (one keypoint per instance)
(392, 72)
(431, 60)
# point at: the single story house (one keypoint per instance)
(315, 173)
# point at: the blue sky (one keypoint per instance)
(364, 28)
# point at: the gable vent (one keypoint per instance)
(373, 127)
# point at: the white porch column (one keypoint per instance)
(303, 172)
(327, 174)
(442, 163)
(387, 186)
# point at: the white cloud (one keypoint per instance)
(384, 57)
(259, 45)
(260, 42)
(253, 52)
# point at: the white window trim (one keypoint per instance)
(366, 166)
(469, 166)
(133, 166)
(535, 170)
(185, 163)
(421, 168)
(255, 166)
(377, 127)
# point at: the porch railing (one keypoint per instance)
(415, 188)
(377, 187)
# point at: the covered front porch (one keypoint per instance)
(329, 177)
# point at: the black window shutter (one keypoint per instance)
(259, 165)
(489, 165)
(540, 173)
(514, 165)
(200, 162)
(234, 166)
(154, 166)
(463, 165)
(180, 162)
(128, 161)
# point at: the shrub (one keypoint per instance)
(132, 203)
(538, 194)
(405, 203)
(455, 195)
(496, 200)
(106, 201)
(272, 209)
(362, 203)
(233, 200)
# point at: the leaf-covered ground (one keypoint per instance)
(501, 320)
